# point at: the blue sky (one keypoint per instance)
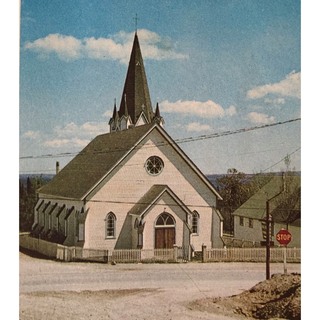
(213, 66)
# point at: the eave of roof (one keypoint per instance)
(151, 197)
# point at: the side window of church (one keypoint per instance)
(66, 227)
(110, 223)
(195, 222)
(81, 231)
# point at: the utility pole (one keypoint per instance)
(268, 220)
(267, 241)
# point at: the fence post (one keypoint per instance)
(204, 253)
(175, 253)
(105, 257)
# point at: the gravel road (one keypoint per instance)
(57, 290)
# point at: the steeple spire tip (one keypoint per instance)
(136, 23)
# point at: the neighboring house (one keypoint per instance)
(131, 188)
(283, 195)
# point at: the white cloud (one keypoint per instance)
(105, 49)
(231, 111)
(155, 47)
(32, 134)
(260, 118)
(197, 127)
(108, 114)
(288, 87)
(66, 47)
(58, 143)
(207, 109)
(87, 129)
(276, 101)
(117, 47)
(74, 135)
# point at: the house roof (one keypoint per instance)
(255, 207)
(82, 173)
(151, 197)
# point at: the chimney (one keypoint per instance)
(57, 167)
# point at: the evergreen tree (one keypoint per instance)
(27, 201)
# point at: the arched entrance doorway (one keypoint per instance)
(165, 231)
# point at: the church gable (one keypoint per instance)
(151, 198)
(155, 159)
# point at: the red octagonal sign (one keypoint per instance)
(284, 237)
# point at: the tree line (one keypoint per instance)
(28, 200)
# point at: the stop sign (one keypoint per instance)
(284, 237)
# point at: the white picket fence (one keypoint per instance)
(176, 254)
(251, 255)
(65, 253)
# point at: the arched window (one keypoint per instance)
(195, 222)
(165, 219)
(110, 222)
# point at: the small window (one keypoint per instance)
(195, 222)
(58, 223)
(81, 232)
(250, 223)
(140, 240)
(110, 222)
(241, 221)
(50, 222)
(66, 226)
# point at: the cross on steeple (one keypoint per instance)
(136, 22)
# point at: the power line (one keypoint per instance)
(227, 133)
(132, 203)
(139, 164)
(178, 141)
(282, 159)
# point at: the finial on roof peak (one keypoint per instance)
(136, 23)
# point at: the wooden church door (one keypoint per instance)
(165, 232)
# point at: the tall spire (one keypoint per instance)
(136, 92)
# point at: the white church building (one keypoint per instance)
(132, 187)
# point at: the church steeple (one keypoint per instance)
(136, 90)
(135, 106)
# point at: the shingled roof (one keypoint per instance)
(255, 207)
(82, 173)
(151, 197)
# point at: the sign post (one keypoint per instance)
(284, 237)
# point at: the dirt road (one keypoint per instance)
(57, 290)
